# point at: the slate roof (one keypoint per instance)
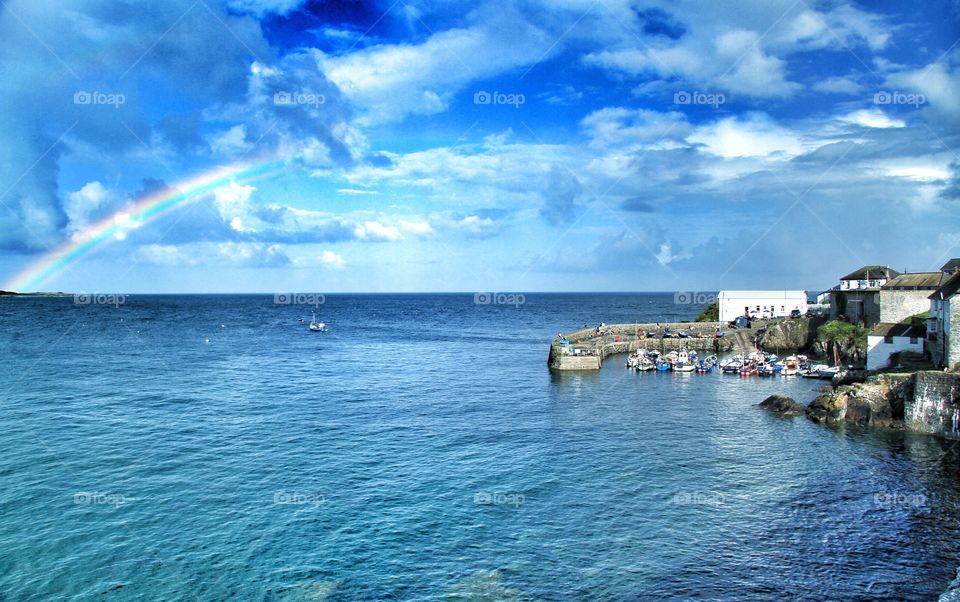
(915, 280)
(875, 271)
(886, 329)
(948, 288)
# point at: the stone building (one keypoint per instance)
(908, 295)
(857, 297)
(943, 326)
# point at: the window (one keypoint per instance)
(888, 340)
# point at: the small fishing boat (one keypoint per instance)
(731, 365)
(828, 373)
(814, 371)
(748, 369)
(706, 365)
(646, 364)
(684, 363)
(766, 369)
(791, 366)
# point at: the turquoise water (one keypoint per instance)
(212, 448)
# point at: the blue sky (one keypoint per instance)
(644, 145)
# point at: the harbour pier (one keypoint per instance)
(586, 348)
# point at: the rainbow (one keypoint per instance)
(142, 211)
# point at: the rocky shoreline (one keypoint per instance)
(924, 401)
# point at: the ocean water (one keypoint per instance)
(212, 448)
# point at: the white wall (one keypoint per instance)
(878, 352)
(780, 302)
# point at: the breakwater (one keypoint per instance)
(587, 348)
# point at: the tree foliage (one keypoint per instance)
(710, 314)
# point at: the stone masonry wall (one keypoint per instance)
(896, 306)
(935, 404)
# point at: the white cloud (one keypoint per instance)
(85, 205)
(752, 137)
(389, 81)
(375, 231)
(476, 225)
(939, 85)
(616, 126)
(232, 142)
(418, 227)
(872, 118)
(331, 259)
(843, 27)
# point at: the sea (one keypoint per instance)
(212, 447)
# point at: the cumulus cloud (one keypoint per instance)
(331, 259)
(375, 231)
(389, 81)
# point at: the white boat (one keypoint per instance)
(646, 364)
(684, 363)
(828, 373)
(317, 326)
(734, 359)
(814, 371)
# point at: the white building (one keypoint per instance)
(760, 304)
(886, 339)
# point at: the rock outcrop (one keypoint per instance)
(878, 401)
(782, 406)
(796, 334)
(850, 353)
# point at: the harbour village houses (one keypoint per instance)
(915, 312)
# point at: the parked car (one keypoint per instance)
(741, 322)
(795, 313)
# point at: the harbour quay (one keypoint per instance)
(586, 348)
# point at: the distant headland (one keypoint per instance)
(34, 294)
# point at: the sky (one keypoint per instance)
(572, 145)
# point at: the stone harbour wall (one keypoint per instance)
(935, 404)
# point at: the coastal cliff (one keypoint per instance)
(925, 401)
